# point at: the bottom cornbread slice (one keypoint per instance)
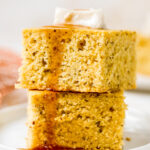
(75, 120)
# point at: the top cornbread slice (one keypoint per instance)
(78, 59)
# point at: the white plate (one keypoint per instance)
(143, 82)
(137, 124)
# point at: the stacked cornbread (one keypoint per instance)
(76, 76)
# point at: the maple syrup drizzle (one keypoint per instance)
(53, 148)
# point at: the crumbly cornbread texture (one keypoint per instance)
(143, 54)
(76, 120)
(78, 59)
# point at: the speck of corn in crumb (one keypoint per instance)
(128, 139)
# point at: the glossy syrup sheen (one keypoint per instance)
(68, 26)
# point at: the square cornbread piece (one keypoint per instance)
(78, 59)
(143, 54)
(75, 120)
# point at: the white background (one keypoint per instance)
(18, 14)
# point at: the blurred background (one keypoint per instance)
(18, 14)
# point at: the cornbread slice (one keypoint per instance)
(75, 120)
(143, 54)
(78, 59)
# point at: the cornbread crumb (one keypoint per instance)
(76, 120)
(82, 60)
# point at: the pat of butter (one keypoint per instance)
(93, 18)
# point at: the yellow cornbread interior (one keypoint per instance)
(83, 60)
(76, 120)
(143, 54)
